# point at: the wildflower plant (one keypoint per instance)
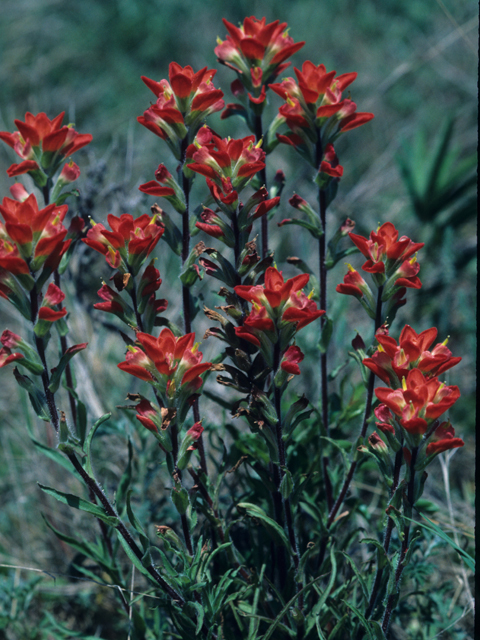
(260, 559)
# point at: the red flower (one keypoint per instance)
(147, 415)
(276, 305)
(384, 247)
(256, 50)
(314, 101)
(166, 362)
(40, 135)
(31, 237)
(22, 167)
(185, 101)
(69, 173)
(47, 314)
(165, 186)
(354, 285)
(6, 356)
(443, 439)
(292, 356)
(225, 162)
(419, 401)
(392, 362)
(390, 257)
(19, 192)
(329, 164)
(129, 243)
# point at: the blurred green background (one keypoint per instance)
(414, 165)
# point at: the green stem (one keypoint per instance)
(282, 467)
(406, 533)
(186, 184)
(353, 465)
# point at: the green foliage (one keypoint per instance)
(88, 58)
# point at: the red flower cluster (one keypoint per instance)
(184, 101)
(392, 263)
(392, 361)
(170, 364)
(227, 164)
(44, 141)
(31, 237)
(278, 307)
(256, 51)
(416, 404)
(129, 243)
(314, 101)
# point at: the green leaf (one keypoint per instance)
(136, 561)
(136, 524)
(433, 528)
(357, 573)
(200, 616)
(323, 596)
(79, 503)
(286, 485)
(286, 608)
(362, 619)
(273, 528)
(81, 421)
(254, 622)
(88, 443)
(37, 398)
(180, 499)
(60, 368)
(325, 336)
(125, 479)
(53, 454)
(82, 547)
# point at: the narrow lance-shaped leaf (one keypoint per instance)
(60, 368)
(79, 503)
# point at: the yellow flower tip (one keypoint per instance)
(111, 251)
(154, 219)
(259, 143)
(413, 260)
(290, 102)
(440, 388)
(445, 342)
(256, 306)
(132, 348)
(219, 40)
(310, 295)
(350, 268)
(195, 347)
(404, 384)
(70, 125)
(197, 144)
(70, 163)
(92, 221)
(381, 349)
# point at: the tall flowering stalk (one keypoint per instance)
(257, 52)
(182, 105)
